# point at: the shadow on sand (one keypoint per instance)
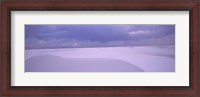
(51, 63)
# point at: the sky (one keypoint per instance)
(97, 35)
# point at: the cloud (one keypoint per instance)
(67, 36)
(131, 33)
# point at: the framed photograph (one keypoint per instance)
(138, 48)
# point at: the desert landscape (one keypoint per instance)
(99, 48)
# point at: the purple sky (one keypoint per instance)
(70, 36)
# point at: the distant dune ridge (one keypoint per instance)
(108, 59)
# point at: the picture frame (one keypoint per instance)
(7, 90)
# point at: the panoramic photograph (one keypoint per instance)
(99, 48)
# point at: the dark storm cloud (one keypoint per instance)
(59, 36)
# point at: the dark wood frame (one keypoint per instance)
(193, 90)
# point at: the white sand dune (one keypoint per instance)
(122, 59)
(51, 63)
